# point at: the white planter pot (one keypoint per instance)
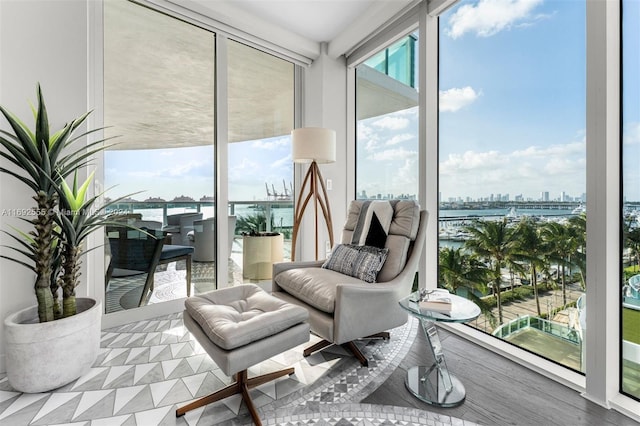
(259, 254)
(44, 356)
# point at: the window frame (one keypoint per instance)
(600, 383)
(95, 259)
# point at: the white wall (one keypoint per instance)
(53, 50)
(46, 42)
(325, 105)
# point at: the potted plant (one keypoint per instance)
(56, 341)
(260, 249)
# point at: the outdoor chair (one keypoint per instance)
(203, 238)
(179, 225)
(135, 252)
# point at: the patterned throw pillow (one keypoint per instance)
(362, 262)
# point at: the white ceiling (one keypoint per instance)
(316, 20)
(302, 25)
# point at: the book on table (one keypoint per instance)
(437, 303)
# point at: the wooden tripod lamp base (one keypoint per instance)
(312, 145)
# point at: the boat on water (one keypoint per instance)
(512, 214)
(580, 209)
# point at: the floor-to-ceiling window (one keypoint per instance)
(630, 285)
(387, 122)
(524, 130)
(261, 117)
(512, 169)
(159, 95)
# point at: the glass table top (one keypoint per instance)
(462, 310)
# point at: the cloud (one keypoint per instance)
(397, 139)
(391, 123)
(407, 176)
(393, 154)
(456, 98)
(271, 144)
(471, 160)
(488, 17)
(282, 163)
(536, 152)
(631, 133)
(529, 171)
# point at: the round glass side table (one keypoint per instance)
(434, 384)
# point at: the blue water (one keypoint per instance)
(492, 213)
(504, 212)
(283, 217)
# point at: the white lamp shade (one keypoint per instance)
(310, 144)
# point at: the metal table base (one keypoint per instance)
(434, 384)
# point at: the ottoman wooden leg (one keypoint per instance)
(316, 347)
(241, 386)
(232, 389)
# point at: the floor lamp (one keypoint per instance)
(313, 145)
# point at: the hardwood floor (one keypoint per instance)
(499, 391)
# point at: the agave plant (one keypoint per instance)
(44, 160)
(78, 217)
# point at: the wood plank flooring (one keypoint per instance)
(499, 391)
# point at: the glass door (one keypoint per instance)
(159, 93)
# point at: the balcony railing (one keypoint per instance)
(278, 213)
(548, 327)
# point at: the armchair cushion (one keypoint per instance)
(314, 286)
(402, 230)
(373, 223)
(362, 262)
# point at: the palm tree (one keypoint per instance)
(530, 248)
(578, 233)
(560, 244)
(632, 241)
(457, 270)
(493, 242)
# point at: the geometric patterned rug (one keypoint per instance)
(148, 368)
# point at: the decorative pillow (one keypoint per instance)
(362, 262)
(373, 224)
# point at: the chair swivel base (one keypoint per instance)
(349, 346)
(241, 386)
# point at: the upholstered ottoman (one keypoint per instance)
(239, 327)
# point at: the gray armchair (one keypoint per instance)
(343, 308)
(179, 225)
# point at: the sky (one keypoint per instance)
(512, 103)
(167, 173)
(631, 100)
(512, 73)
(512, 118)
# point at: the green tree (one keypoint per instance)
(578, 235)
(530, 248)
(561, 246)
(492, 241)
(632, 241)
(458, 269)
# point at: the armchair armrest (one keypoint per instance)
(366, 309)
(285, 266)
